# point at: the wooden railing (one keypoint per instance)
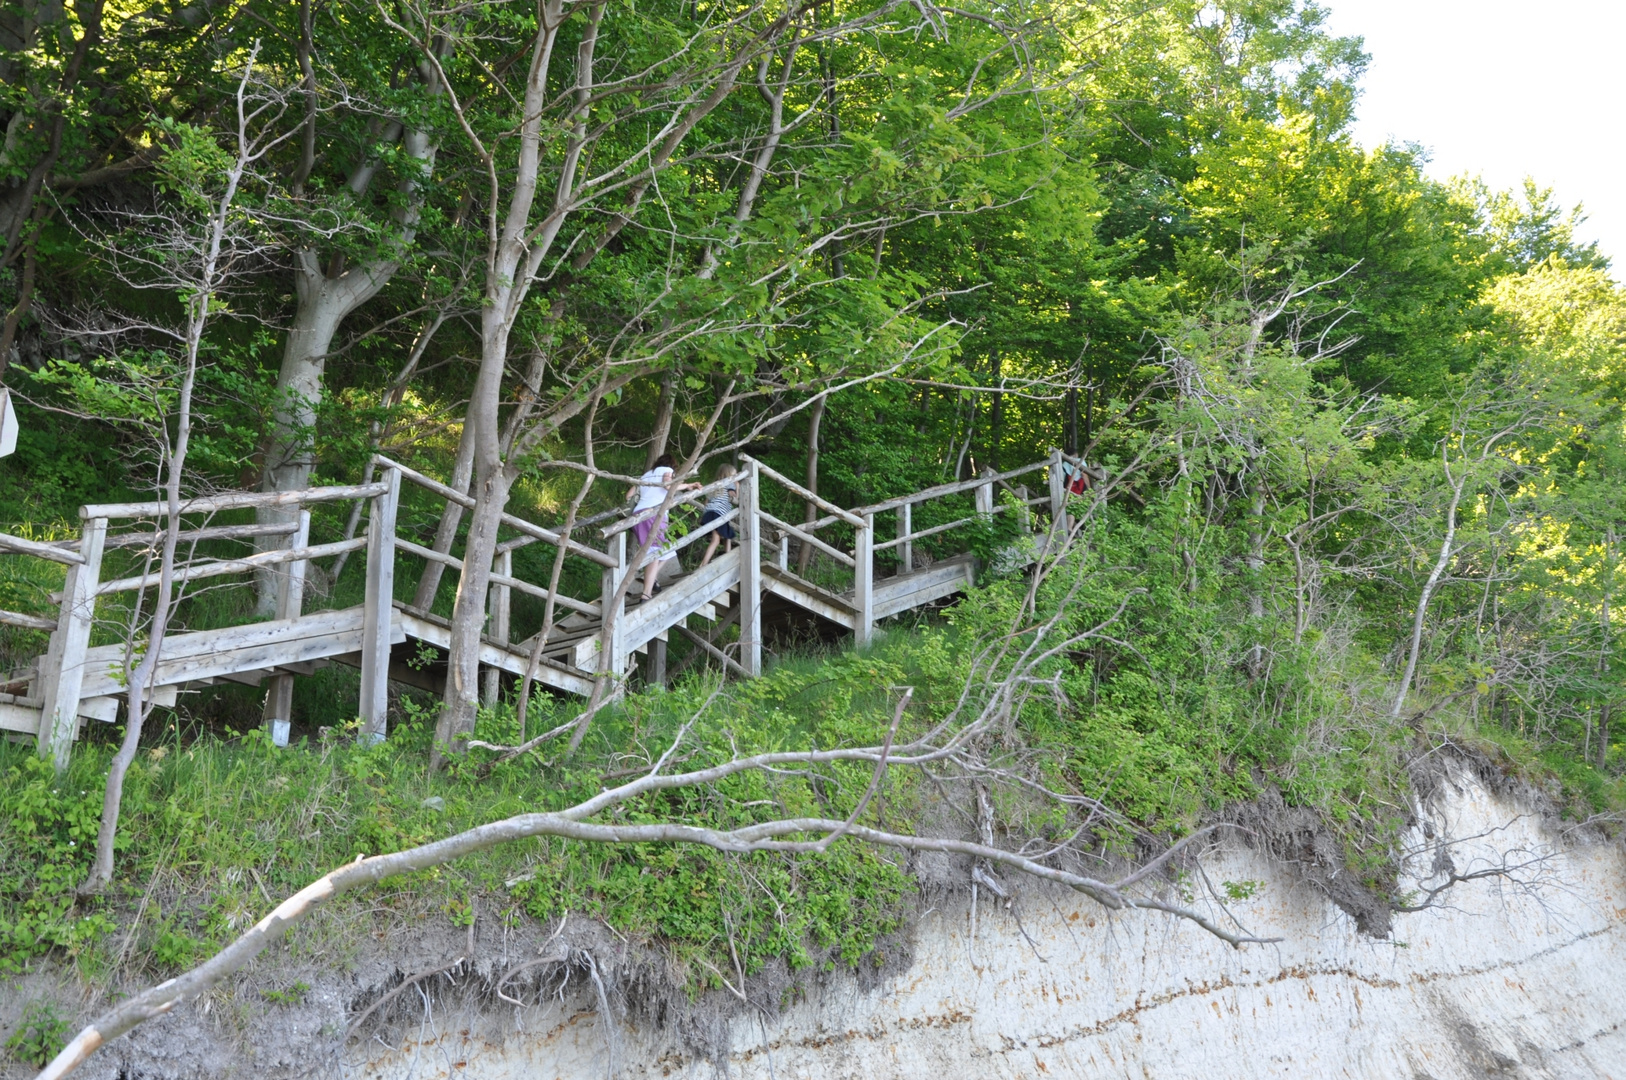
(56, 685)
(845, 538)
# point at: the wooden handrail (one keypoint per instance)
(517, 584)
(682, 500)
(467, 502)
(41, 550)
(189, 536)
(935, 529)
(31, 622)
(849, 516)
(233, 566)
(956, 488)
(215, 532)
(235, 500)
(705, 530)
(796, 531)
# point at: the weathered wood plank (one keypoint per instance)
(983, 496)
(55, 554)
(497, 612)
(220, 567)
(849, 516)
(105, 709)
(804, 594)
(213, 654)
(23, 718)
(213, 532)
(750, 549)
(906, 549)
(901, 593)
(279, 697)
(379, 610)
(438, 633)
(682, 598)
(236, 500)
(31, 622)
(864, 582)
(1058, 493)
(62, 670)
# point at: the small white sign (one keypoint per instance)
(8, 424)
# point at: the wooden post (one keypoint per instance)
(906, 550)
(62, 669)
(497, 604)
(864, 581)
(1058, 496)
(985, 495)
(750, 530)
(279, 697)
(613, 631)
(379, 615)
(1024, 513)
(784, 552)
(655, 663)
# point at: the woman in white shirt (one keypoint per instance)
(652, 489)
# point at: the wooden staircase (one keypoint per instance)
(591, 639)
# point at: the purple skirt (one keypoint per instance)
(656, 525)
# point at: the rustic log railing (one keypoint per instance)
(596, 638)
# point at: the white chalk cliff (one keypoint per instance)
(1519, 977)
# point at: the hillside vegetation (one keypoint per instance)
(1356, 437)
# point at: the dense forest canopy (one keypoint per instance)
(880, 243)
(1363, 427)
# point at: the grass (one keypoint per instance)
(217, 823)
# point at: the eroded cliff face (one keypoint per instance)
(1521, 976)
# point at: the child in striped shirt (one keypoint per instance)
(718, 506)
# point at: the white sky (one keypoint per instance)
(1503, 89)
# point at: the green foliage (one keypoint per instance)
(289, 995)
(40, 1035)
(224, 819)
(48, 829)
(1164, 252)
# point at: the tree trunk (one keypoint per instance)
(492, 480)
(323, 304)
(1069, 440)
(1255, 562)
(461, 703)
(815, 418)
(1606, 647)
(663, 419)
(996, 414)
(1089, 413)
(450, 518)
(1447, 548)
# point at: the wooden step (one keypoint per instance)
(808, 596)
(213, 654)
(903, 592)
(514, 659)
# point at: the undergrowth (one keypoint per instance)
(218, 824)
